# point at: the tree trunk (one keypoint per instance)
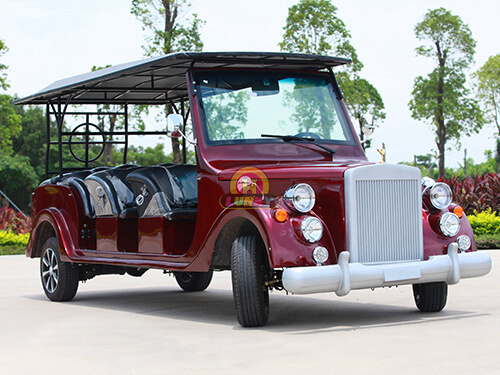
(441, 147)
(176, 149)
(441, 131)
(108, 147)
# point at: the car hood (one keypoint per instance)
(296, 170)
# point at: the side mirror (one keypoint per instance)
(174, 123)
(367, 128)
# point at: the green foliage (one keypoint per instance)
(361, 99)
(32, 141)
(488, 241)
(17, 179)
(12, 239)
(313, 27)
(3, 77)
(161, 18)
(148, 156)
(486, 222)
(441, 98)
(12, 250)
(449, 39)
(488, 89)
(10, 124)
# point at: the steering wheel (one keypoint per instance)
(308, 135)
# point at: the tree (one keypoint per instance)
(32, 141)
(488, 89)
(162, 19)
(442, 97)
(3, 76)
(362, 99)
(17, 179)
(313, 27)
(10, 124)
(149, 156)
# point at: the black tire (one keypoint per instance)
(59, 279)
(194, 281)
(248, 271)
(430, 297)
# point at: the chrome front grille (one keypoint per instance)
(383, 214)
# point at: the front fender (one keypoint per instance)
(284, 247)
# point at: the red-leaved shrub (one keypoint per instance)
(476, 194)
(13, 221)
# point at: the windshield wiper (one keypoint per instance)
(291, 138)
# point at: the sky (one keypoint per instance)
(54, 39)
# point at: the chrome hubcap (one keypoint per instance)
(50, 270)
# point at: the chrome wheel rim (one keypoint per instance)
(50, 270)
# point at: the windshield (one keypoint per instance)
(241, 106)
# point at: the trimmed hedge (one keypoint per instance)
(485, 223)
(488, 241)
(12, 239)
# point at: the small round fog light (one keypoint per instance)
(449, 223)
(320, 255)
(463, 242)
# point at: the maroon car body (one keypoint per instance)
(270, 209)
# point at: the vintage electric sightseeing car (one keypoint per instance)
(280, 192)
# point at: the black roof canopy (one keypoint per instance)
(160, 79)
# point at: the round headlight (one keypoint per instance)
(427, 182)
(449, 223)
(320, 255)
(441, 196)
(464, 242)
(312, 229)
(301, 197)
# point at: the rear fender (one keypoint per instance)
(51, 222)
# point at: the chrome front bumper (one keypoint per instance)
(344, 276)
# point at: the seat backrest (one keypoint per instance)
(110, 192)
(156, 191)
(82, 189)
(187, 176)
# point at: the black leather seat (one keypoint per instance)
(111, 194)
(156, 191)
(187, 175)
(169, 191)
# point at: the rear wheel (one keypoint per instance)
(430, 297)
(59, 279)
(248, 271)
(193, 281)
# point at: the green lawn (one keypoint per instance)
(12, 249)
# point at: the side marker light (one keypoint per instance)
(280, 215)
(459, 211)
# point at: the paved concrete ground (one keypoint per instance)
(125, 325)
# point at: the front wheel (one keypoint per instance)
(59, 279)
(193, 281)
(430, 297)
(248, 271)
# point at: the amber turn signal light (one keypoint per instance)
(280, 215)
(459, 211)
